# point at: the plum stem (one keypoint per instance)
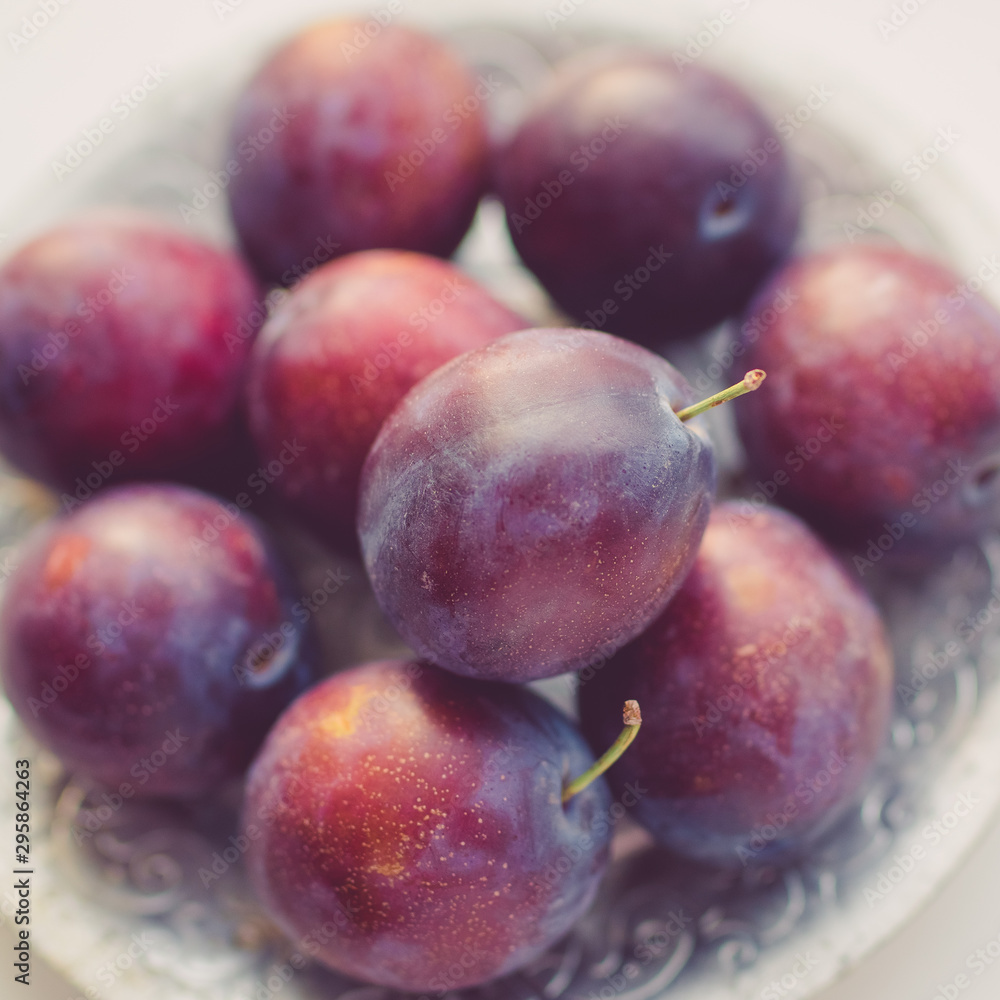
(632, 720)
(751, 381)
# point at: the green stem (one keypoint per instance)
(632, 720)
(751, 381)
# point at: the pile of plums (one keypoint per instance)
(527, 502)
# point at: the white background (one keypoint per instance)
(940, 69)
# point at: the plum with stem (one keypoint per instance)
(424, 815)
(533, 502)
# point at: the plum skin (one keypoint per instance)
(340, 352)
(638, 226)
(420, 814)
(118, 354)
(329, 170)
(534, 501)
(884, 385)
(123, 629)
(766, 692)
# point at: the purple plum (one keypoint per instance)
(649, 199)
(150, 638)
(420, 814)
(766, 692)
(338, 355)
(534, 502)
(123, 348)
(345, 141)
(882, 418)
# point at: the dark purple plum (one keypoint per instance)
(883, 409)
(649, 199)
(420, 814)
(766, 690)
(337, 356)
(123, 347)
(150, 638)
(534, 502)
(346, 142)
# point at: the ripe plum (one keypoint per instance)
(649, 200)
(123, 346)
(337, 146)
(337, 356)
(420, 813)
(766, 690)
(883, 410)
(534, 502)
(143, 655)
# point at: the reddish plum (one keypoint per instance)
(346, 142)
(533, 502)
(649, 199)
(420, 814)
(339, 354)
(766, 689)
(123, 345)
(883, 415)
(145, 656)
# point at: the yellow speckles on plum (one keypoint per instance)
(343, 722)
(388, 869)
(751, 588)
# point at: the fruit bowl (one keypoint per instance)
(151, 900)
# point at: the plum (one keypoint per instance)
(649, 199)
(340, 352)
(123, 345)
(420, 813)
(145, 656)
(883, 410)
(345, 142)
(534, 502)
(766, 690)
